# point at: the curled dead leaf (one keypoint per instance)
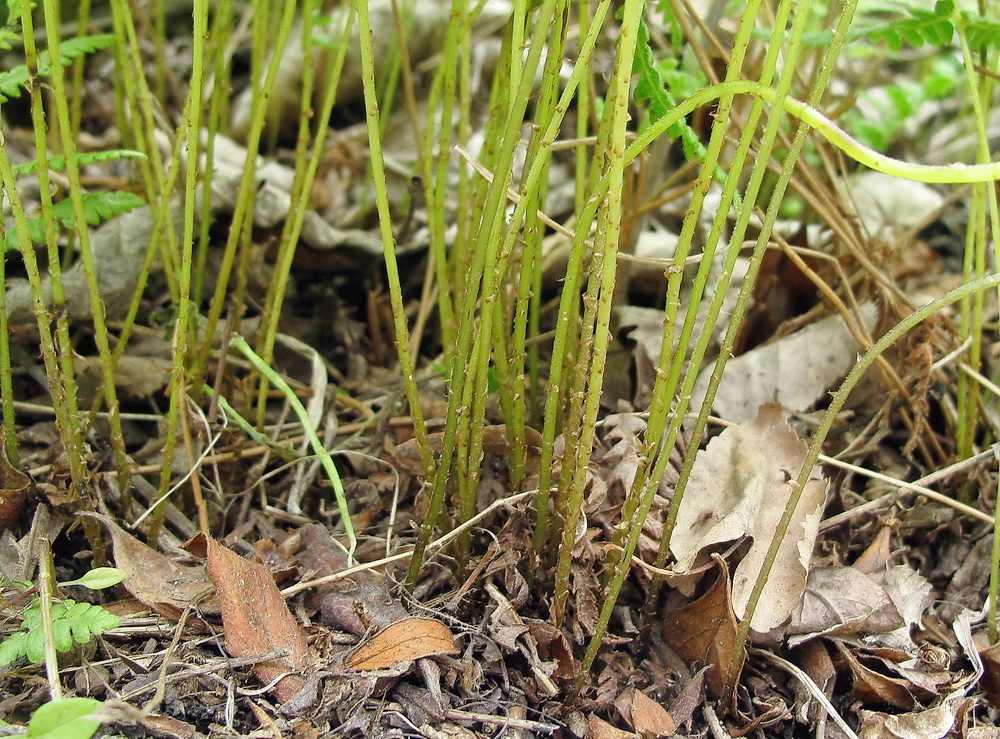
(403, 641)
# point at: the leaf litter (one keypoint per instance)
(870, 614)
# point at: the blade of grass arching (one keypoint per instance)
(605, 270)
(9, 426)
(406, 363)
(310, 431)
(242, 218)
(305, 174)
(182, 324)
(819, 436)
(60, 99)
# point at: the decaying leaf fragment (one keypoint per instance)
(257, 620)
(704, 631)
(739, 487)
(404, 641)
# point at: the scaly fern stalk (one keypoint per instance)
(218, 91)
(62, 381)
(305, 173)
(605, 270)
(182, 325)
(76, 94)
(672, 359)
(434, 164)
(468, 370)
(531, 181)
(494, 245)
(566, 342)
(52, 23)
(760, 172)
(242, 218)
(388, 241)
(141, 122)
(9, 440)
(739, 231)
(529, 269)
(981, 87)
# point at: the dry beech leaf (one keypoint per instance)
(600, 729)
(934, 723)
(739, 487)
(796, 370)
(404, 641)
(156, 580)
(644, 715)
(704, 631)
(13, 487)
(256, 619)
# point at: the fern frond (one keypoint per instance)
(934, 27)
(651, 88)
(75, 48)
(97, 207)
(58, 163)
(981, 33)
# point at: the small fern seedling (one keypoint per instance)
(73, 622)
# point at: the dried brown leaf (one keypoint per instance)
(404, 641)
(739, 488)
(14, 486)
(156, 580)
(644, 715)
(704, 631)
(600, 729)
(257, 620)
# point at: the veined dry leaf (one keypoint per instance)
(600, 729)
(257, 620)
(934, 723)
(13, 487)
(644, 715)
(704, 631)
(840, 601)
(404, 641)
(795, 371)
(156, 580)
(739, 487)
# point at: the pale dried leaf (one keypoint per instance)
(795, 371)
(739, 487)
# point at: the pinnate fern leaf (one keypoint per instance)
(72, 622)
(651, 88)
(13, 81)
(934, 27)
(981, 33)
(97, 206)
(58, 163)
